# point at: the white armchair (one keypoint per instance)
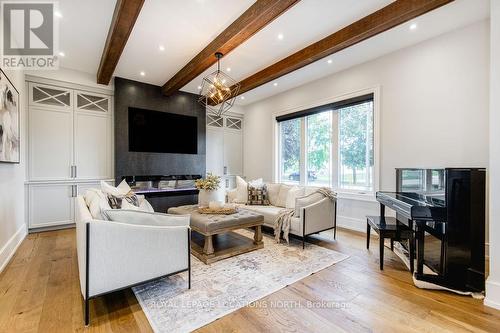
(117, 255)
(317, 217)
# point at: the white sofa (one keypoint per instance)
(313, 212)
(117, 255)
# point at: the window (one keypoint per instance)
(356, 146)
(290, 133)
(331, 145)
(319, 143)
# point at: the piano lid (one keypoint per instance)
(417, 199)
(416, 206)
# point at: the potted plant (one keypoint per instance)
(208, 187)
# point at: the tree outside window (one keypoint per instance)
(356, 146)
(290, 150)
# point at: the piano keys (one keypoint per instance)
(455, 218)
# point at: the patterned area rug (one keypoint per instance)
(230, 284)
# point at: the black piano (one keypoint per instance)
(446, 208)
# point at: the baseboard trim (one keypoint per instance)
(351, 223)
(492, 294)
(8, 250)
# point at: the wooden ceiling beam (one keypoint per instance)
(124, 17)
(382, 20)
(256, 17)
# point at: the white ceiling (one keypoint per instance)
(83, 29)
(185, 27)
(455, 15)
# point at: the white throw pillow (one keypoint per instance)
(283, 194)
(259, 182)
(293, 194)
(97, 202)
(241, 191)
(273, 191)
(120, 191)
(145, 218)
(306, 201)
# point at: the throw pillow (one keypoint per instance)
(272, 191)
(241, 191)
(282, 195)
(97, 202)
(121, 190)
(293, 194)
(116, 195)
(257, 196)
(146, 218)
(256, 182)
(144, 205)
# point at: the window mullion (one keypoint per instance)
(335, 150)
(303, 152)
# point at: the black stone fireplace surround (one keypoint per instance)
(130, 93)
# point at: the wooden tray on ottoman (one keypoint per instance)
(214, 240)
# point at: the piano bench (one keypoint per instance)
(389, 227)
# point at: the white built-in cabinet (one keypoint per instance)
(70, 148)
(225, 147)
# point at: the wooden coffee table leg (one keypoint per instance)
(257, 237)
(208, 247)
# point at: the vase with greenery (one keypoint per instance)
(208, 187)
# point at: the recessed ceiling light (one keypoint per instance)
(329, 61)
(275, 84)
(228, 69)
(142, 73)
(413, 26)
(62, 54)
(199, 87)
(242, 97)
(161, 48)
(57, 14)
(280, 36)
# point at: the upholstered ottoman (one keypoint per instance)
(214, 238)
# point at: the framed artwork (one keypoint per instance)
(10, 118)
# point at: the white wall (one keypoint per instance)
(434, 109)
(12, 222)
(493, 282)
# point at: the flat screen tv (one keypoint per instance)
(161, 132)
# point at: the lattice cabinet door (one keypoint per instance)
(234, 123)
(50, 96)
(215, 121)
(92, 102)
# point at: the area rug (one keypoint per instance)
(230, 284)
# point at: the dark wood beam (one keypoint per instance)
(124, 17)
(382, 20)
(260, 14)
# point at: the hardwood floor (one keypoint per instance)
(39, 291)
